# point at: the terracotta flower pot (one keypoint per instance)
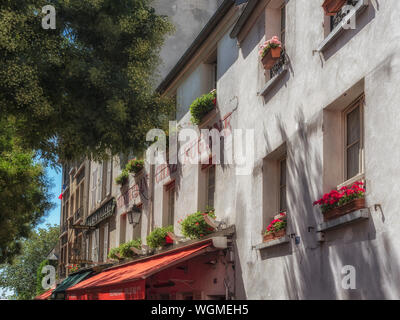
(271, 57)
(275, 235)
(351, 206)
(332, 7)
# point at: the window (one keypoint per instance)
(215, 74)
(122, 229)
(283, 24)
(282, 185)
(343, 150)
(171, 206)
(275, 25)
(105, 242)
(274, 186)
(353, 142)
(93, 190)
(106, 181)
(210, 186)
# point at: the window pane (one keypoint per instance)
(171, 209)
(282, 186)
(353, 160)
(211, 187)
(282, 180)
(282, 200)
(353, 126)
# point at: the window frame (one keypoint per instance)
(357, 103)
(280, 185)
(211, 167)
(171, 211)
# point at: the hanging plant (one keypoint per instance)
(203, 105)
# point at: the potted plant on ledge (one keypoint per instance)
(277, 228)
(203, 105)
(122, 178)
(338, 203)
(270, 52)
(332, 7)
(135, 166)
(159, 238)
(194, 226)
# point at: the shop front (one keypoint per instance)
(195, 271)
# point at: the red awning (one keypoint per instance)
(127, 282)
(44, 296)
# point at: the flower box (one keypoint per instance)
(338, 203)
(348, 207)
(332, 7)
(275, 235)
(271, 58)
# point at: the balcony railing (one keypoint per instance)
(338, 18)
(277, 68)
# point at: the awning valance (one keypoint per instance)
(44, 296)
(127, 282)
(72, 280)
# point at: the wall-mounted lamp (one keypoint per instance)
(134, 215)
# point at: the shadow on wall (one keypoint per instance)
(314, 271)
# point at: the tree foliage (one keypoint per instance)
(24, 192)
(20, 276)
(85, 88)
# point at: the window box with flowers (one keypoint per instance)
(202, 106)
(277, 228)
(194, 226)
(341, 202)
(270, 52)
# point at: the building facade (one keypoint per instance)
(322, 118)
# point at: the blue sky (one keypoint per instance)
(54, 215)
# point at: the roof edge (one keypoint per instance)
(247, 11)
(199, 40)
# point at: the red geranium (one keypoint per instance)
(337, 198)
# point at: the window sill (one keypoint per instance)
(359, 7)
(268, 86)
(359, 177)
(352, 217)
(273, 243)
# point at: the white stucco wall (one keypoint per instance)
(292, 113)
